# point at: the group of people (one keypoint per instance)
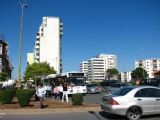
(44, 91)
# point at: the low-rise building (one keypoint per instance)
(30, 58)
(126, 76)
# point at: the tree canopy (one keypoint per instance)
(112, 72)
(139, 73)
(3, 76)
(38, 69)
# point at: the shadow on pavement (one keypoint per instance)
(110, 116)
(150, 116)
(98, 117)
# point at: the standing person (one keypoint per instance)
(41, 94)
(60, 91)
(56, 91)
(65, 92)
(49, 89)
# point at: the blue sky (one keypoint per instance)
(129, 29)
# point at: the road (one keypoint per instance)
(93, 98)
(90, 115)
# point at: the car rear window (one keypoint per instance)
(91, 85)
(122, 91)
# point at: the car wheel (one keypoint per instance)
(134, 113)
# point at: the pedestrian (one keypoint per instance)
(65, 92)
(60, 87)
(41, 94)
(56, 92)
(49, 89)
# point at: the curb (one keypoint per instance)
(45, 111)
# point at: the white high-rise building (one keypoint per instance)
(98, 65)
(150, 65)
(126, 76)
(84, 67)
(48, 43)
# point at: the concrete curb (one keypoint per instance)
(45, 111)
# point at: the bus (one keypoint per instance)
(76, 81)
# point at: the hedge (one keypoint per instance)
(6, 96)
(24, 96)
(77, 99)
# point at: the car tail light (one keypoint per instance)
(112, 102)
(98, 88)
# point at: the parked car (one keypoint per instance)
(115, 86)
(93, 88)
(133, 101)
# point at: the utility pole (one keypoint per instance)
(23, 5)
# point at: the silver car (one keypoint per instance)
(133, 101)
(94, 88)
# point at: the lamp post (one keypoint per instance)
(23, 5)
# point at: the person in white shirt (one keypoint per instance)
(41, 94)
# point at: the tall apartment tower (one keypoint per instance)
(48, 43)
(98, 65)
(150, 65)
(84, 67)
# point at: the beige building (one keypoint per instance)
(30, 58)
(151, 65)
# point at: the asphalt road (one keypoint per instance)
(90, 115)
(93, 98)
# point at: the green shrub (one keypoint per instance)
(77, 99)
(6, 96)
(24, 96)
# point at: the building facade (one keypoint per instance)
(151, 65)
(126, 76)
(47, 46)
(98, 65)
(30, 58)
(5, 62)
(84, 67)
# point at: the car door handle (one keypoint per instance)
(139, 99)
(157, 99)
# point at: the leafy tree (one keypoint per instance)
(139, 73)
(38, 69)
(3, 76)
(111, 73)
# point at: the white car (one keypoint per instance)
(133, 101)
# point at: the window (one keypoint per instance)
(148, 92)
(122, 91)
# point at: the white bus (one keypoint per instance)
(76, 81)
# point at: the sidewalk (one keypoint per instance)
(53, 106)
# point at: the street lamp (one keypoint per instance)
(23, 5)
